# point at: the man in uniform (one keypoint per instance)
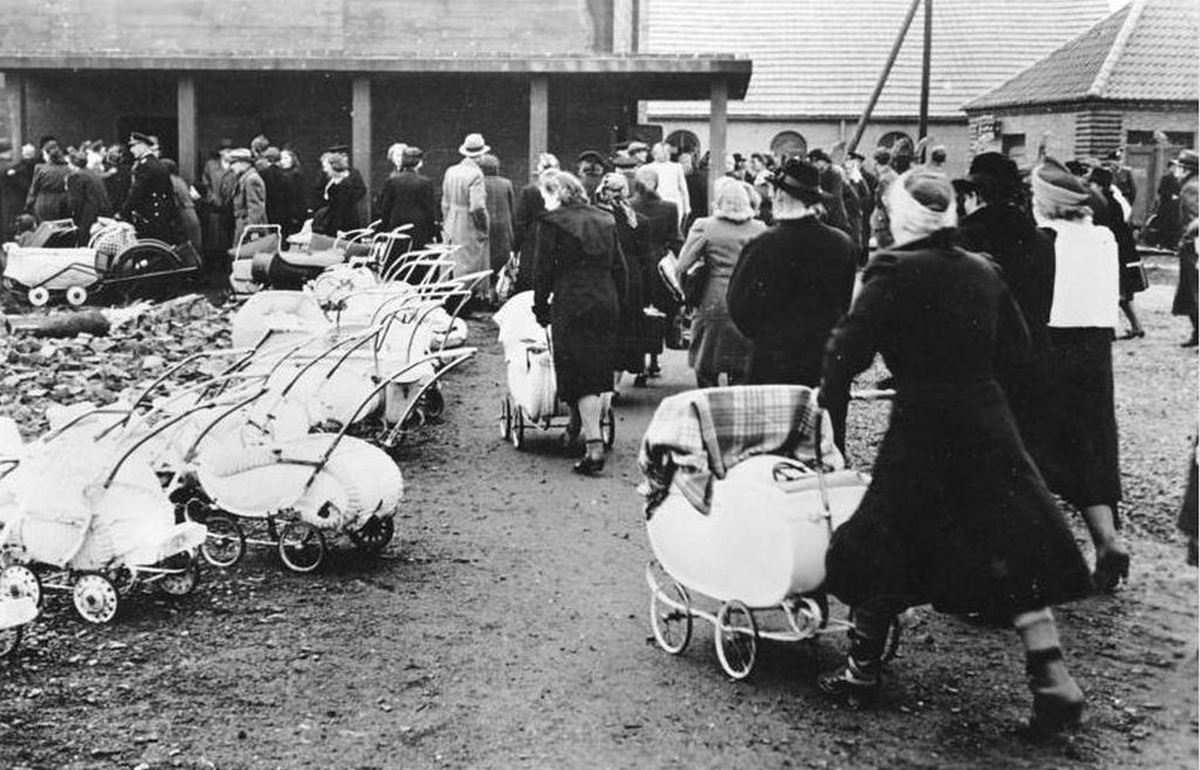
(150, 206)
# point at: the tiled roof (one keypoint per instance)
(1147, 51)
(822, 57)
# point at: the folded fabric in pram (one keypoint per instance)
(696, 436)
(531, 382)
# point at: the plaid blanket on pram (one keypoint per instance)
(695, 436)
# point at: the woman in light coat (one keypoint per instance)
(716, 241)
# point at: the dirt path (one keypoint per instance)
(506, 627)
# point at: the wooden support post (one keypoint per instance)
(883, 76)
(360, 128)
(186, 109)
(923, 118)
(539, 120)
(718, 108)
(14, 84)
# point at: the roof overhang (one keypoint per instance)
(649, 76)
(1085, 102)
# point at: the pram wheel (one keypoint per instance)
(96, 598)
(38, 296)
(374, 536)
(736, 639)
(76, 296)
(671, 617)
(124, 580)
(184, 581)
(301, 546)
(518, 428)
(506, 419)
(434, 402)
(18, 582)
(10, 640)
(225, 543)
(608, 427)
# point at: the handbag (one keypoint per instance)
(1135, 276)
(694, 281)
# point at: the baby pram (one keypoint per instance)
(743, 492)
(531, 399)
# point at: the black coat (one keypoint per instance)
(150, 206)
(529, 208)
(791, 285)
(408, 198)
(580, 264)
(339, 210)
(279, 193)
(664, 236)
(635, 251)
(955, 514)
(88, 201)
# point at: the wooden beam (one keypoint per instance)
(926, 49)
(14, 85)
(186, 107)
(883, 76)
(718, 108)
(360, 128)
(539, 120)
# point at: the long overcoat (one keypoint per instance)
(408, 199)
(955, 513)
(464, 218)
(150, 205)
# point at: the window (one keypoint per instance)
(1174, 138)
(1013, 146)
(891, 137)
(787, 144)
(684, 141)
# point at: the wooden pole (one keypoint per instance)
(539, 120)
(883, 76)
(186, 109)
(360, 127)
(718, 107)
(926, 51)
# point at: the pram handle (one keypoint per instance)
(112, 475)
(448, 361)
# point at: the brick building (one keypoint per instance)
(1129, 76)
(542, 75)
(817, 61)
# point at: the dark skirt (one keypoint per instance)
(585, 347)
(1186, 288)
(1080, 459)
(956, 514)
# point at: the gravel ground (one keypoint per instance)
(506, 625)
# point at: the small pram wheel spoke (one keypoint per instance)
(226, 542)
(96, 598)
(671, 617)
(375, 534)
(506, 419)
(182, 582)
(301, 546)
(736, 639)
(18, 581)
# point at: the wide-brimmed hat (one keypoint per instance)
(240, 155)
(1188, 159)
(993, 166)
(473, 146)
(590, 155)
(800, 179)
(139, 138)
(622, 160)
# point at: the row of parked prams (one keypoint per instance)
(285, 441)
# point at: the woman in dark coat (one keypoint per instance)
(408, 199)
(577, 280)
(340, 198)
(293, 178)
(956, 514)
(1186, 302)
(664, 237)
(499, 198)
(633, 235)
(529, 209)
(1112, 216)
(86, 197)
(47, 197)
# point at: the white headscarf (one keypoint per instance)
(910, 219)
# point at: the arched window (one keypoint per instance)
(684, 141)
(891, 137)
(787, 144)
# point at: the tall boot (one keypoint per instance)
(858, 679)
(1057, 700)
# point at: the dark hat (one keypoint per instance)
(139, 138)
(1101, 176)
(225, 144)
(1187, 159)
(819, 154)
(1058, 175)
(964, 186)
(637, 146)
(800, 179)
(1076, 167)
(591, 155)
(342, 148)
(994, 166)
(882, 155)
